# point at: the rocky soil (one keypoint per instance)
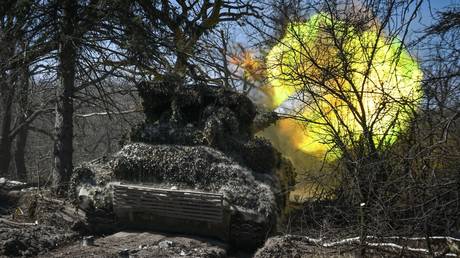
(144, 244)
(32, 240)
(31, 223)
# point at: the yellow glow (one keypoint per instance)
(369, 69)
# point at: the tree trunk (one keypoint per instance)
(63, 145)
(19, 154)
(5, 139)
(180, 68)
(21, 141)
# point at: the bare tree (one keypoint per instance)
(165, 36)
(12, 26)
(79, 27)
(22, 47)
(339, 72)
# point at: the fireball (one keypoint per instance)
(342, 80)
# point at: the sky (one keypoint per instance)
(429, 8)
(428, 12)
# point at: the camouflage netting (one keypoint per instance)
(196, 168)
(198, 138)
(200, 115)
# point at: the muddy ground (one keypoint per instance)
(143, 244)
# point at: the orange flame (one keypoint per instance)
(254, 68)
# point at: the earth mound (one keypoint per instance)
(33, 223)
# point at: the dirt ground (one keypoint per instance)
(31, 225)
(31, 240)
(47, 241)
(143, 244)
